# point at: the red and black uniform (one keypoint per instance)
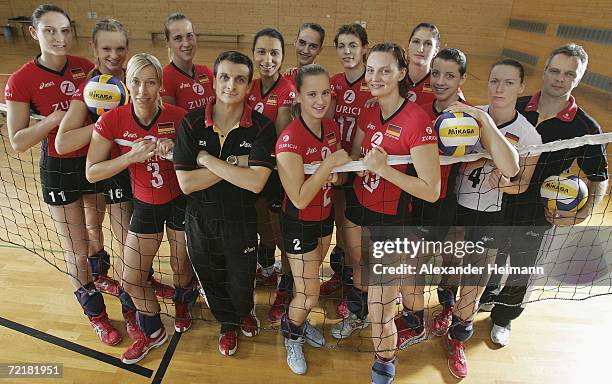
(525, 211)
(189, 92)
(221, 221)
(350, 100)
(436, 218)
(45, 90)
(116, 189)
(157, 196)
(281, 94)
(303, 227)
(420, 92)
(374, 200)
(291, 75)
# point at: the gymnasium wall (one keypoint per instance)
(591, 13)
(476, 26)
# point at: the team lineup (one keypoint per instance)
(213, 158)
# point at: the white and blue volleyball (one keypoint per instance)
(564, 192)
(105, 92)
(458, 133)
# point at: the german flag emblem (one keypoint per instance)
(272, 100)
(513, 139)
(77, 73)
(364, 87)
(203, 79)
(331, 138)
(165, 128)
(394, 131)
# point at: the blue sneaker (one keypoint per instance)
(383, 372)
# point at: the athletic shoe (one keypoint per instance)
(162, 290)
(332, 285)
(383, 372)
(442, 321)
(108, 285)
(277, 310)
(500, 335)
(486, 307)
(131, 326)
(408, 336)
(313, 336)
(342, 308)
(104, 329)
(249, 324)
(228, 342)
(295, 356)
(182, 320)
(455, 354)
(347, 326)
(142, 345)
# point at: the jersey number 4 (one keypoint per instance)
(475, 177)
(157, 180)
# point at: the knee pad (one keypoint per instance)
(91, 301)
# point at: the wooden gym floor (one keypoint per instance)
(40, 321)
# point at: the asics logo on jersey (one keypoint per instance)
(202, 143)
(68, 88)
(44, 85)
(338, 87)
(377, 138)
(371, 126)
(349, 96)
(198, 89)
(251, 98)
(310, 151)
(249, 249)
(246, 144)
(184, 85)
(129, 135)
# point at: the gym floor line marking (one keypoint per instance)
(163, 366)
(103, 357)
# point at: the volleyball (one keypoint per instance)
(565, 192)
(105, 92)
(458, 133)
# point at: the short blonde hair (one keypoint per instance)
(140, 61)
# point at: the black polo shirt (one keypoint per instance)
(254, 135)
(571, 122)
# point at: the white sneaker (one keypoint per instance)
(313, 336)
(295, 356)
(500, 335)
(347, 326)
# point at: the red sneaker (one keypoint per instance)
(342, 309)
(332, 285)
(104, 329)
(457, 363)
(228, 343)
(442, 321)
(162, 290)
(408, 336)
(268, 281)
(108, 285)
(277, 310)
(131, 326)
(182, 321)
(249, 325)
(141, 346)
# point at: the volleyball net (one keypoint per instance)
(568, 262)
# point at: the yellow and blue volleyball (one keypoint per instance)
(564, 192)
(458, 133)
(105, 92)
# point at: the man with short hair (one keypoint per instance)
(223, 158)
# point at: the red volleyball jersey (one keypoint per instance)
(350, 99)
(282, 94)
(290, 75)
(297, 138)
(407, 128)
(46, 91)
(189, 92)
(420, 92)
(153, 181)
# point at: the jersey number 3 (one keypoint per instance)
(157, 181)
